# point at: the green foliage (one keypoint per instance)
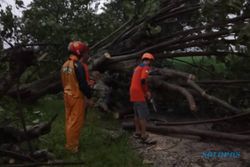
(11, 26)
(55, 23)
(220, 10)
(237, 68)
(244, 39)
(202, 67)
(8, 109)
(7, 22)
(29, 75)
(97, 147)
(59, 20)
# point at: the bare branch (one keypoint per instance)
(156, 82)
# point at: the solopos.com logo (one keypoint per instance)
(221, 154)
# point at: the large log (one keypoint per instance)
(195, 132)
(9, 134)
(33, 91)
(223, 82)
(237, 116)
(15, 155)
(19, 60)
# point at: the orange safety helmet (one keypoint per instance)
(78, 47)
(147, 56)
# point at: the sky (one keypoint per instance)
(4, 3)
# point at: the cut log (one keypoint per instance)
(33, 91)
(195, 132)
(247, 114)
(10, 134)
(244, 132)
(95, 63)
(16, 155)
(223, 82)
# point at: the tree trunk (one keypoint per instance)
(10, 134)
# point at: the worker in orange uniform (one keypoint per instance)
(84, 60)
(76, 93)
(139, 93)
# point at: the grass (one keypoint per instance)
(97, 147)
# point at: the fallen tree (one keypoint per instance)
(177, 28)
(161, 81)
(120, 50)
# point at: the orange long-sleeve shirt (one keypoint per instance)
(137, 89)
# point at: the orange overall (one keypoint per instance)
(74, 104)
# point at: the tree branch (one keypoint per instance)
(212, 98)
(157, 83)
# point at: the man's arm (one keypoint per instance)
(144, 76)
(81, 77)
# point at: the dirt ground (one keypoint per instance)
(173, 151)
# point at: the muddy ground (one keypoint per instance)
(187, 151)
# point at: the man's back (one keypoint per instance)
(69, 80)
(137, 93)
